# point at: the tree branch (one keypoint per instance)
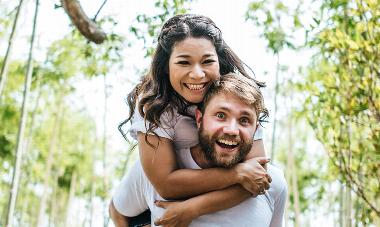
(82, 22)
(101, 7)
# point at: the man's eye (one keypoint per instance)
(220, 115)
(244, 120)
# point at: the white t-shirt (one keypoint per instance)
(136, 194)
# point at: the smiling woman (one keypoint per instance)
(193, 66)
(190, 56)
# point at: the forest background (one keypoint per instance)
(62, 98)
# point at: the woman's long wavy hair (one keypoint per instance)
(154, 93)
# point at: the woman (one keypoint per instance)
(191, 55)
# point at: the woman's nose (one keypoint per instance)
(197, 72)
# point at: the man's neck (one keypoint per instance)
(198, 155)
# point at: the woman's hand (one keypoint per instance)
(251, 174)
(177, 214)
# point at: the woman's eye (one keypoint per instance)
(183, 63)
(220, 115)
(208, 61)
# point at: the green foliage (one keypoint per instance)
(343, 95)
(269, 16)
(9, 112)
(5, 22)
(341, 88)
(147, 27)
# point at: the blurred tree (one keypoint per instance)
(22, 124)
(269, 16)
(4, 65)
(83, 23)
(342, 90)
(147, 27)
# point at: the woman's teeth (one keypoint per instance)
(195, 86)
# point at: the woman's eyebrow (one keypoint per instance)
(189, 56)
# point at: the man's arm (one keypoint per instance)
(129, 198)
(118, 219)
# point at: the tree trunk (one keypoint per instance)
(295, 192)
(105, 177)
(4, 67)
(20, 135)
(53, 202)
(293, 171)
(81, 21)
(93, 185)
(287, 205)
(73, 183)
(273, 144)
(340, 220)
(29, 138)
(49, 161)
(347, 206)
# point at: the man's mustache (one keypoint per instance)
(228, 137)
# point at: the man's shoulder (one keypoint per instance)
(278, 179)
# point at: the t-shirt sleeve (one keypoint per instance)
(129, 197)
(259, 134)
(279, 204)
(166, 130)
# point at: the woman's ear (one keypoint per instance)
(198, 117)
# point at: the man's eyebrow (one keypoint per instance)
(247, 113)
(221, 107)
(226, 109)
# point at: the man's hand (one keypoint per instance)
(177, 214)
(118, 219)
(252, 175)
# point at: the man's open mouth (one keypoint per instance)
(229, 144)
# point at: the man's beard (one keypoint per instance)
(208, 144)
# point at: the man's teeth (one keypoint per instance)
(195, 86)
(228, 142)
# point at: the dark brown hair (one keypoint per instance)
(154, 93)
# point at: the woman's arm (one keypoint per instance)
(257, 150)
(182, 213)
(160, 166)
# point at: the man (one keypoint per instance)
(227, 123)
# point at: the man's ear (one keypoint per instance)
(198, 117)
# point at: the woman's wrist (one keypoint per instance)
(193, 210)
(238, 178)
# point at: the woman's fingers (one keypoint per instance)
(161, 203)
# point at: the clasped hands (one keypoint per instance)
(250, 174)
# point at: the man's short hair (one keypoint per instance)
(243, 88)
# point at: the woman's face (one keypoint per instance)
(193, 66)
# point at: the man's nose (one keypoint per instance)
(197, 72)
(231, 128)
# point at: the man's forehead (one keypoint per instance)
(228, 101)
